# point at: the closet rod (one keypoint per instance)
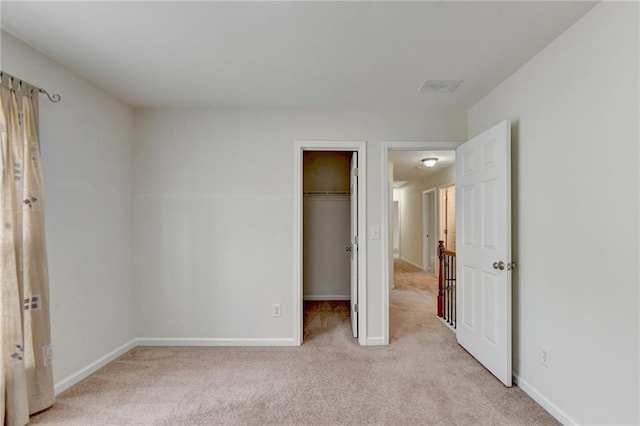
(326, 192)
(16, 82)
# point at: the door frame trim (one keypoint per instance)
(298, 312)
(386, 261)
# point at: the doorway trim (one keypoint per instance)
(387, 262)
(298, 303)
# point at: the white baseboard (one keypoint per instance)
(203, 341)
(376, 341)
(411, 263)
(329, 297)
(553, 409)
(66, 383)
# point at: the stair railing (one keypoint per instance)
(447, 285)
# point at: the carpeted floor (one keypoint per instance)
(422, 377)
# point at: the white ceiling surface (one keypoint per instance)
(407, 164)
(290, 54)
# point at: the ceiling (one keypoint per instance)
(349, 55)
(407, 165)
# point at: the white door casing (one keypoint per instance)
(354, 243)
(483, 240)
(360, 147)
(386, 174)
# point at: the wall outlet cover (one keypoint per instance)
(276, 310)
(545, 356)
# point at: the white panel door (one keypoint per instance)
(483, 249)
(354, 243)
(426, 236)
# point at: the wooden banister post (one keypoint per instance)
(441, 249)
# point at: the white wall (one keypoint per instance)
(87, 162)
(326, 232)
(214, 213)
(574, 111)
(411, 225)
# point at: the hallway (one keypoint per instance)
(412, 303)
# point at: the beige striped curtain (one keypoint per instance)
(26, 377)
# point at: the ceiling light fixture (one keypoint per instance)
(429, 162)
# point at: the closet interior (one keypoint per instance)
(326, 225)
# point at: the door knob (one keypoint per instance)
(498, 265)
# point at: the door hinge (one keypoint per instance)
(355, 308)
(355, 171)
(355, 240)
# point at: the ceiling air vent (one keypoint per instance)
(439, 86)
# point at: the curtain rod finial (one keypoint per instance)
(55, 98)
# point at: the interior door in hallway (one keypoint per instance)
(354, 243)
(429, 237)
(483, 219)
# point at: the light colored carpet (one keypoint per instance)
(422, 377)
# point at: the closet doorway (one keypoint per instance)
(326, 217)
(329, 204)
(327, 248)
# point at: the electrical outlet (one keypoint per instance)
(276, 310)
(545, 356)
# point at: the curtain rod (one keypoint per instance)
(55, 98)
